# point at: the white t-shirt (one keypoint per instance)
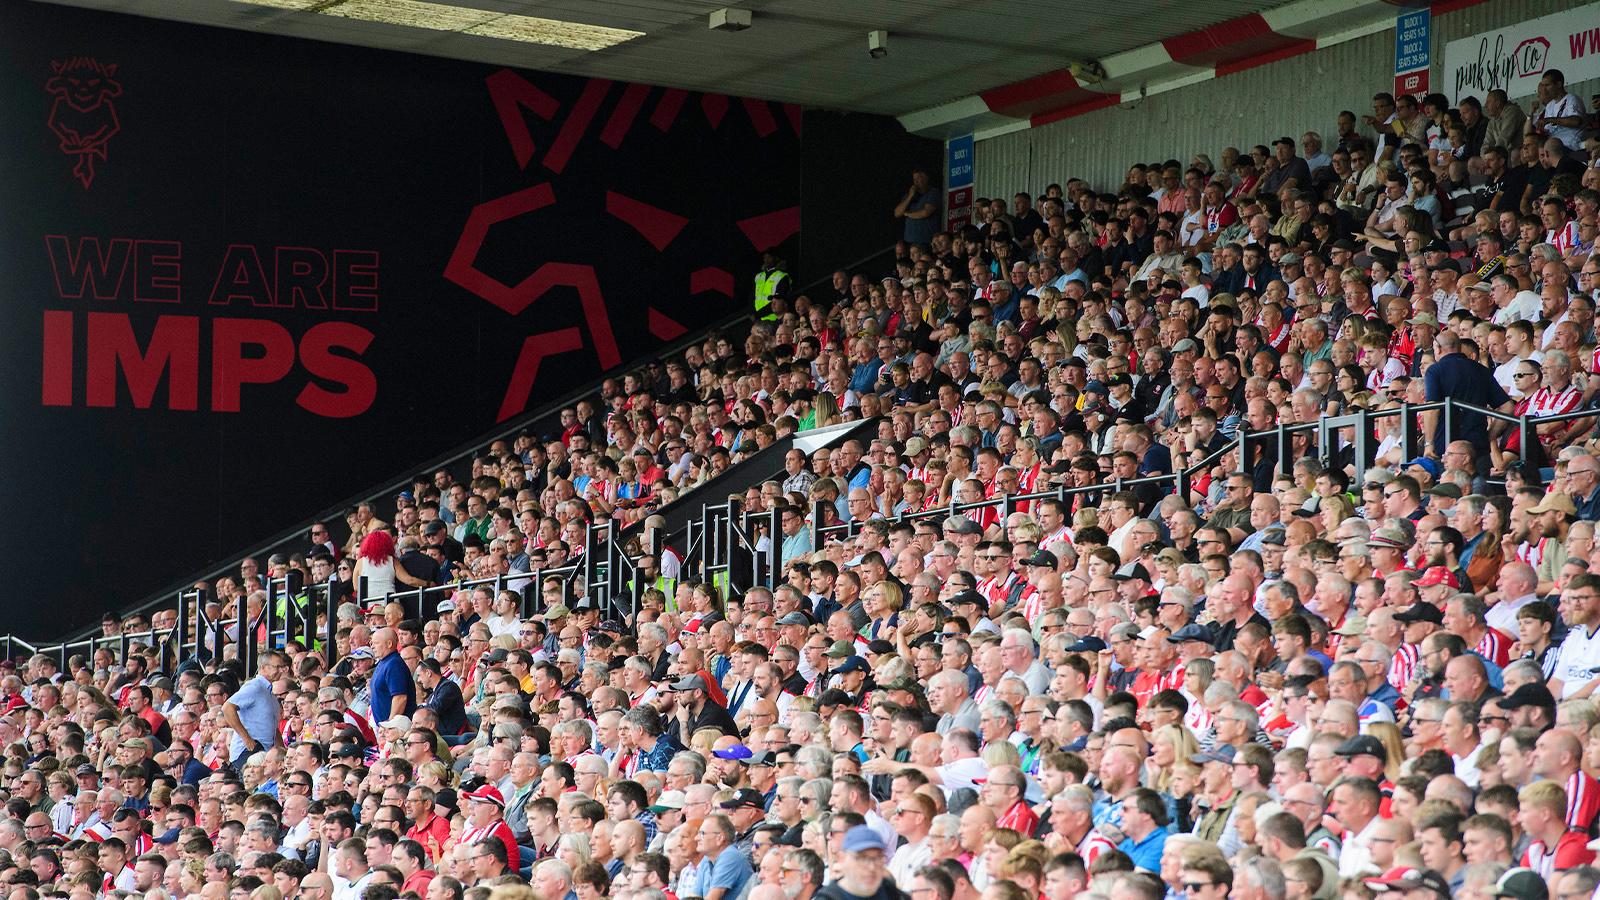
(963, 773)
(1575, 661)
(1566, 105)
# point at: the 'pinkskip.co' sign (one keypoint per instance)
(1514, 58)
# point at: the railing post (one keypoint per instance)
(731, 538)
(774, 546)
(1247, 461)
(1285, 449)
(330, 627)
(270, 614)
(1408, 430)
(1450, 422)
(586, 568)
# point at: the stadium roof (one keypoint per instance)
(952, 66)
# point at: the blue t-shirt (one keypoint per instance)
(731, 871)
(1146, 854)
(389, 679)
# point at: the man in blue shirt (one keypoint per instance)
(393, 692)
(1454, 375)
(730, 868)
(253, 711)
(1144, 822)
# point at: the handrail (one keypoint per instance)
(294, 536)
(723, 540)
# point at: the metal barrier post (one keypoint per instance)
(330, 627)
(1450, 422)
(1408, 430)
(1247, 455)
(774, 547)
(270, 613)
(1285, 449)
(588, 558)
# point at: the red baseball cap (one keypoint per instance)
(1436, 575)
(488, 794)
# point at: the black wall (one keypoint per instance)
(186, 400)
(854, 169)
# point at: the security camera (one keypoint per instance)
(878, 44)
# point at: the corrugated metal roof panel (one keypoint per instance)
(1290, 97)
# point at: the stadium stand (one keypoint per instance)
(1226, 533)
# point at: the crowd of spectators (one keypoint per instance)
(1306, 678)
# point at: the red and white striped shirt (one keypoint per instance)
(1495, 648)
(1549, 403)
(1566, 240)
(1403, 666)
(1583, 800)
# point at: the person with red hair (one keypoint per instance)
(375, 562)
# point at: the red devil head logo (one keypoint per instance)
(83, 116)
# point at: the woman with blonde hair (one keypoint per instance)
(1388, 734)
(573, 849)
(827, 410)
(882, 602)
(436, 775)
(1168, 744)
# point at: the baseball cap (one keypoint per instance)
(1431, 466)
(1530, 694)
(1285, 141)
(1043, 558)
(1095, 386)
(1353, 625)
(1421, 611)
(1222, 753)
(861, 838)
(1131, 572)
(916, 445)
(968, 596)
(1522, 883)
(840, 650)
(764, 758)
(1389, 537)
(851, 664)
(558, 611)
(749, 798)
(399, 723)
(487, 794)
(794, 618)
(689, 683)
(1405, 878)
(737, 751)
(902, 683)
(1423, 319)
(1190, 632)
(447, 606)
(361, 653)
(963, 525)
(1436, 575)
(1090, 643)
(1363, 745)
(1555, 502)
(669, 800)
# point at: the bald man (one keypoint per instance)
(394, 693)
(1556, 757)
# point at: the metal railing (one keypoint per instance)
(722, 544)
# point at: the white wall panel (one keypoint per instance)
(1256, 106)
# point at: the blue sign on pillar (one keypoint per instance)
(960, 154)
